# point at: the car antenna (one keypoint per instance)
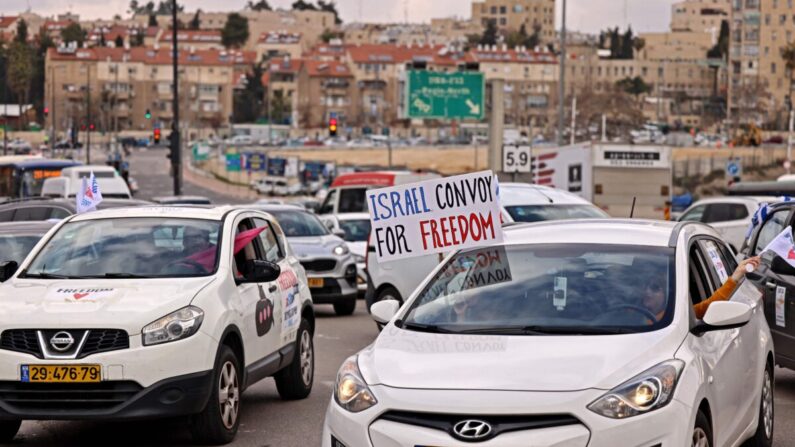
(538, 190)
(632, 211)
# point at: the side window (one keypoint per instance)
(353, 200)
(725, 212)
(270, 245)
(6, 216)
(700, 284)
(715, 261)
(32, 213)
(328, 204)
(770, 230)
(695, 214)
(59, 213)
(737, 211)
(728, 257)
(247, 252)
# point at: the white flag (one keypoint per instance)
(783, 246)
(89, 195)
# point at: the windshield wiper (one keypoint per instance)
(548, 330)
(45, 275)
(122, 275)
(419, 327)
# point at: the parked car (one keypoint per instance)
(564, 350)
(45, 209)
(154, 313)
(355, 228)
(730, 216)
(276, 186)
(240, 140)
(17, 239)
(347, 193)
(111, 184)
(330, 269)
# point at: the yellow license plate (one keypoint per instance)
(61, 373)
(315, 283)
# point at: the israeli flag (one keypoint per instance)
(89, 195)
(783, 246)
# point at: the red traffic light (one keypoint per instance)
(332, 122)
(46, 111)
(91, 126)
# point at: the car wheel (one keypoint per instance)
(219, 421)
(702, 432)
(346, 307)
(8, 430)
(764, 429)
(295, 381)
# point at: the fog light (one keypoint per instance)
(336, 442)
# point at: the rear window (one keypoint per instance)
(353, 200)
(540, 213)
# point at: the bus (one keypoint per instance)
(23, 176)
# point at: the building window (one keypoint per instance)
(503, 10)
(520, 8)
(767, 19)
(782, 19)
(503, 21)
(767, 51)
(494, 10)
(773, 67)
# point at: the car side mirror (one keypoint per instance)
(723, 315)
(781, 267)
(384, 311)
(329, 224)
(255, 271)
(339, 233)
(7, 270)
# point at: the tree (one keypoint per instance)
(102, 41)
(328, 35)
(634, 86)
(639, 44)
(137, 40)
(20, 73)
(45, 42)
(489, 36)
(261, 5)
(627, 44)
(280, 107)
(195, 22)
(301, 5)
(119, 41)
(615, 44)
(235, 33)
(137, 8)
(721, 48)
(73, 33)
(248, 102)
(152, 20)
(330, 7)
(788, 54)
(22, 31)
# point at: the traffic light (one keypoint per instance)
(332, 127)
(157, 135)
(46, 111)
(91, 127)
(148, 114)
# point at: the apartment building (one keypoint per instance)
(280, 81)
(195, 39)
(8, 27)
(699, 15)
(325, 90)
(276, 43)
(123, 84)
(759, 82)
(512, 14)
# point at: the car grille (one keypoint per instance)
(319, 265)
(98, 340)
(499, 423)
(66, 397)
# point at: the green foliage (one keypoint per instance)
(22, 31)
(721, 49)
(261, 5)
(788, 54)
(119, 41)
(196, 22)
(152, 20)
(634, 86)
(280, 108)
(248, 105)
(73, 33)
(330, 7)
(329, 34)
(163, 8)
(521, 38)
(621, 46)
(20, 70)
(489, 36)
(301, 5)
(235, 33)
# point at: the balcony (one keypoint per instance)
(335, 84)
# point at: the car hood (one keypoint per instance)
(409, 359)
(92, 303)
(314, 246)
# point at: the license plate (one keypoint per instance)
(315, 282)
(61, 373)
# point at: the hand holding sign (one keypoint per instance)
(435, 216)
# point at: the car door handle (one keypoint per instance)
(273, 288)
(770, 285)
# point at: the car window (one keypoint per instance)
(356, 230)
(6, 216)
(353, 200)
(59, 213)
(725, 212)
(32, 213)
(328, 204)
(715, 261)
(770, 229)
(701, 286)
(300, 223)
(270, 245)
(694, 215)
(540, 213)
(15, 248)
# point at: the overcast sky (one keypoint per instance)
(584, 15)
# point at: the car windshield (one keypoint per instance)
(539, 213)
(353, 200)
(356, 230)
(149, 247)
(299, 223)
(549, 289)
(15, 248)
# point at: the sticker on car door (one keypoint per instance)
(291, 317)
(716, 260)
(781, 301)
(264, 313)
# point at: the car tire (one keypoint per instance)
(346, 307)
(8, 430)
(218, 422)
(702, 432)
(295, 381)
(764, 429)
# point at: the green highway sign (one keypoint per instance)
(437, 95)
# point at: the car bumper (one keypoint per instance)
(138, 382)
(667, 426)
(361, 278)
(333, 291)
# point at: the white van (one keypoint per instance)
(111, 184)
(348, 191)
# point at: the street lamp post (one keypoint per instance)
(176, 152)
(562, 77)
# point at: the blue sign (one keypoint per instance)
(734, 169)
(276, 166)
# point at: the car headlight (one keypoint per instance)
(351, 391)
(341, 250)
(648, 391)
(174, 326)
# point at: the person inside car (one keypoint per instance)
(655, 301)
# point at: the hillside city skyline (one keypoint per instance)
(589, 16)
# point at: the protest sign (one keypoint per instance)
(435, 216)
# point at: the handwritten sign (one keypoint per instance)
(435, 216)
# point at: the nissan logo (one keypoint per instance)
(62, 341)
(472, 429)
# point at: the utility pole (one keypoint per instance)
(789, 140)
(176, 152)
(5, 114)
(52, 111)
(562, 77)
(496, 124)
(573, 118)
(88, 119)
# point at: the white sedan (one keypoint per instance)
(571, 333)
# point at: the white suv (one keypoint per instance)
(153, 312)
(730, 216)
(569, 333)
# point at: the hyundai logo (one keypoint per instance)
(62, 341)
(472, 429)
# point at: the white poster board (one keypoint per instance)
(435, 216)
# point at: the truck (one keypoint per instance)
(611, 176)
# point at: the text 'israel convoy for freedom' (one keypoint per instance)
(459, 223)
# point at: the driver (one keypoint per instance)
(195, 240)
